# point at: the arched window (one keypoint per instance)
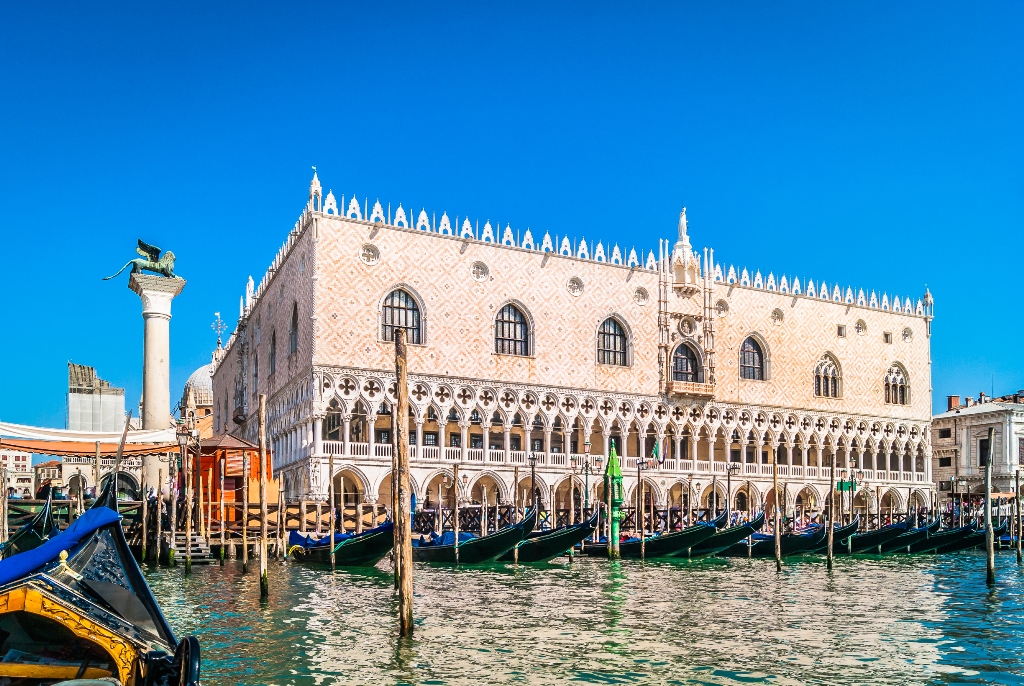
(897, 389)
(273, 351)
(751, 360)
(401, 312)
(826, 378)
(685, 366)
(293, 332)
(611, 343)
(511, 332)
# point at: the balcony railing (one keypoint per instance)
(700, 390)
(561, 461)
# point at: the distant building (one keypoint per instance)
(197, 400)
(19, 471)
(960, 443)
(51, 471)
(93, 404)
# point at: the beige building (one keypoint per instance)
(527, 344)
(961, 444)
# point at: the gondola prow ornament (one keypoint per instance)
(151, 261)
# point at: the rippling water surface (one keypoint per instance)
(872, 621)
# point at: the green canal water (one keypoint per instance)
(912, 620)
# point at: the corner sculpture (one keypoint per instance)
(151, 261)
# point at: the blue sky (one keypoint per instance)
(873, 144)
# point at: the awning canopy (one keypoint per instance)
(42, 433)
(84, 448)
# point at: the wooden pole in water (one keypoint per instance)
(455, 507)
(330, 506)
(776, 519)
(172, 508)
(159, 513)
(264, 582)
(222, 465)
(188, 509)
(990, 548)
(81, 507)
(96, 483)
(245, 510)
(279, 544)
(209, 500)
(403, 516)
(1016, 515)
(638, 514)
(515, 511)
(145, 513)
(830, 521)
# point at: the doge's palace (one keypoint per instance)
(524, 344)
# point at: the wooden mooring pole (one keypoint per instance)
(776, 519)
(830, 522)
(145, 513)
(264, 585)
(330, 505)
(1016, 515)
(159, 513)
(990, 544)
(515, 510)
(221, 502)
(403, 514)
(246, 474)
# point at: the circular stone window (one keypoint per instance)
(777, 316)
(369, 254)
(641, 296)
(908, 335)
(479, 271)
(721, 308)
(575, 286)
(687, 326)
(860, 327)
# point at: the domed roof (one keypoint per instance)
(199, 387)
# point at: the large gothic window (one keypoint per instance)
(293, 332)
(751, 360)
(401, 312)
(685, 366)
(611, 343)
(511, 332)
(273, 351)
(897, 389)
(826, 378)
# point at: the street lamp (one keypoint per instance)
(586, 463)
(533, 479)
(729, 471)
(641, 466)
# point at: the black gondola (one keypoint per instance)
(82, 596)
(722, 520)
(724, 538)
(838, 538)
(940, 539)
(35, 531)
(542, 546)
(476, 550)
(763, 545)
(974, 540)
(869, 541)
(909, 538)
(663, 545)
(364, 549)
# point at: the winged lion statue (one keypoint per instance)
(151, 261)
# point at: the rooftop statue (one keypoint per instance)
(151, 261)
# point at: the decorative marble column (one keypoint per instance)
(156, 293)
(318, 435)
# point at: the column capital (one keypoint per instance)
(156, 293)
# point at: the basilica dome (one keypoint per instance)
(199, 388)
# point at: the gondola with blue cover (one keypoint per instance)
(364, 549)
(545, 545)
(77, 607)
(870, 541)
(659, 545)
(763, 545)
(840, 538)
(472, 549)
(908, 538)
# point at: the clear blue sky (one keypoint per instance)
(874, 144)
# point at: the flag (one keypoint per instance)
(655, 455)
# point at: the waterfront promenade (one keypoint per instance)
(908, 620)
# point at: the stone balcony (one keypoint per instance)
(692, 389)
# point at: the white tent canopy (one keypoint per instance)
(46, 434)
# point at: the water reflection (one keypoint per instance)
(884, 620)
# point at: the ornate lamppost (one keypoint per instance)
(729, 471)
